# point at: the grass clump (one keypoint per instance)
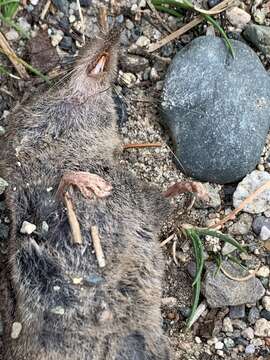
(196, 235)
(175, 8)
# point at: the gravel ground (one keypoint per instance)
(229, 332)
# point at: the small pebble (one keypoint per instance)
(250, 349)
(263, 271)
(248, 333)
(237, 312)
(169, 301)
(227, 325)
(16, 330)
(229, 343)
(266, 302)
(34, 2)
(219, 345)
(27, 228)
(2, 131)
(265, 314)
(57, 37)
(129, 24)
(238, 17)
(143, 41)
(262, 328)
(12, 35)
(253, 315)
(77, 280)
(265, 233)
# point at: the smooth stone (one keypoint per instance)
(212, 3)
(259, 36)
(217, 115)
(16, 330)
(247, 186)
(220, 291)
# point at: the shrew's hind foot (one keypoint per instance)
(88, 184)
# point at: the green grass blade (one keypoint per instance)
(168, 11)
(200, 257)
(199, 265)
(177, 4)
(11, 23)
(225, 238)
(220, 29)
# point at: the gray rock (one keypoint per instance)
(211, 106)
(253, 315)
(259, 36)
(220, 291)
(247, 186)
(259, 222)
(237, 312)
(229, 343)
(3, 185)
(248, 333)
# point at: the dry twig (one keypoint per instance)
(97, 246)
(139, 146)
(8, 51)
(82, 20)
(103, 18)
(45, 10)
(248, 200)
(73, 221)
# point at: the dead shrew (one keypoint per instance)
(66, 140)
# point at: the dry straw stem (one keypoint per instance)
(82, 20)
(248, 200)
(140, 146)
(242, 279)
(73, 221)
(215, 10)
(45, 9)
(97, 246)
(8, 51)
(103, 18)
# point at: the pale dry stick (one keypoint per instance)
(97, 246)
(242, 279)
(140, 146)
(153, 47)
(248, 200)
(8, 51)
(154, 10)
(103, 18)
(174, 253)
(164, 242)
(82, 20)
(45, 9)
(73, 221)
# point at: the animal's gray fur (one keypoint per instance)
(74, 128)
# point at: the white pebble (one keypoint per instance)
(266, 302)
(143, 41)
(219, 345)
(263, 271)
(16, 330)
(27, 228)
(12, 35)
